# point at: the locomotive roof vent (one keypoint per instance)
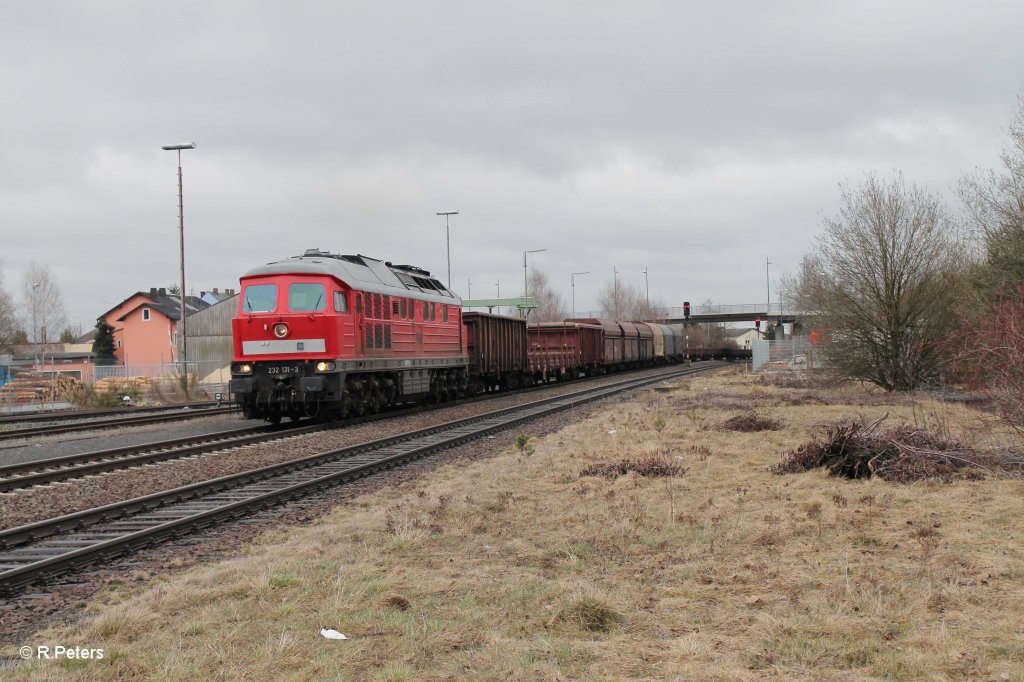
(412, 268)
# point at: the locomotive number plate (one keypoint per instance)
(284, 369)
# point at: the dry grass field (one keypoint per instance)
(516, 566)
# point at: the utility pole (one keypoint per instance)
(182, 341)
(768, 284)
(35, 324)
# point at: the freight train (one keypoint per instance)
(330, 336)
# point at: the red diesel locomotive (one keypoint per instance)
(327, 336)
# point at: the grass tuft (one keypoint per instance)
(652, 466)
(750, 422)
(587, 612)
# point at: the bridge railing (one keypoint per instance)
(715, 309)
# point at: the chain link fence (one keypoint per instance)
(205, 377)
(797, 353)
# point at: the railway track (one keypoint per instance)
(41, 472)
(139, 420)
(71, 414)
(40, 551)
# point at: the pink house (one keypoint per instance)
(146, 326)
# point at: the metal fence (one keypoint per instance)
(202, 372)
(797, 353)
(773, 310)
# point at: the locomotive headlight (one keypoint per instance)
(280, 330)
(323, 366)
(241, 368)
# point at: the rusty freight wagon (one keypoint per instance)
(614, 341)
(569, 349)
(496, 346)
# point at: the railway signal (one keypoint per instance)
(757, 323)
(686, 310)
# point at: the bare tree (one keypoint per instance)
(991, 350)
(550, 304)
(42, 306)
(628, 302)
(710, 334)
(8, 317)
(995, 203)
(882, 281)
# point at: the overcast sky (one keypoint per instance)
(693, 139)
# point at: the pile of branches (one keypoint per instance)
(652, 466)
(902, 454)
(749, 423)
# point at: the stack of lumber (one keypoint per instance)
(34, 387)
(122, 385)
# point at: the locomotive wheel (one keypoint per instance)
(373, 401)
(358, 402)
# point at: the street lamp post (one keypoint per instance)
(572, 283)
(768, 284)
(615, 295)
(447, 242)
(526, 291)
(181, 250)
(647, 289)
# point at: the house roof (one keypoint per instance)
(168, 305)
(216, 296)
(734, 332)
(66, 355)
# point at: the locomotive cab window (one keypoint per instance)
(340, 302)
(306, 297)
(259, 298)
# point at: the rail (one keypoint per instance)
(31, 555)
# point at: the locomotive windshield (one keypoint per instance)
(303, 297)
(260, 298)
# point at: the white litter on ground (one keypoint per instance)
(332, 634)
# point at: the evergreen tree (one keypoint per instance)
(103, 344)
(67, 336)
